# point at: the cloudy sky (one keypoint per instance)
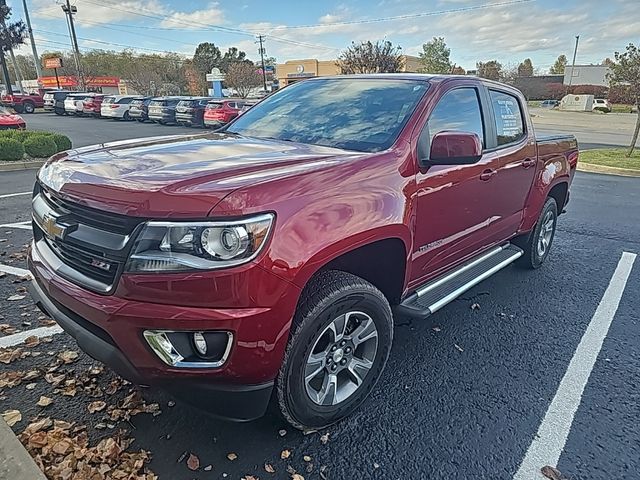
(507, 30)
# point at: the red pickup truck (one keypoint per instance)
(23, 103)
(264, 261)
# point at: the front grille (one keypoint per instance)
(96, 245)
(111, 222)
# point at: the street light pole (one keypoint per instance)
(264, 73)
(573, 64)
(33, 42)
(70, 10)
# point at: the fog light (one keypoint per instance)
(200, 343)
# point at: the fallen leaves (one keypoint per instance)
(13, 378)
(297, 476)
(15, 298)
(324, 438)
(9, 355)
(232, 456)
(32, 341)
(97, 406)
(552, 473)
(193, 462)
(269, 468)
(62, 452)
(68, 356)
(284, 454)
(475, 306)
(12, 417)
(7, 329)
(44, 401)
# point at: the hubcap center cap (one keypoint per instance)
(337, 355)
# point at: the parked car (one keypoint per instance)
(139, 108)
(9, 120)
(23, 103)
(601, 104)
(190, 111)
(221, 112)
(550, 104)
(163, 109)
(54, 101)
(74, 103)
(92, 105)
(117, 106)
(262, 262)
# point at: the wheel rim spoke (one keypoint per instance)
(327, 394)
(358, 368)
(314, 366)
(337, 327)
(365, 332)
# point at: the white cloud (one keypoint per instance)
(212, 15)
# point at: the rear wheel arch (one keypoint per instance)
(559, 193)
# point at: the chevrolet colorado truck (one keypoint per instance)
(22, 102)
(264, 262)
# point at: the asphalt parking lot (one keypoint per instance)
(463, 396)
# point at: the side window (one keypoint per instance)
(457, 110)
(509, 123)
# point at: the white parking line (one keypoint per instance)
(24, 225)
(7, 195)
(549, 442)
(18, 338)
(18, 272)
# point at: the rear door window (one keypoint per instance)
(125, 101)
(108, 100)
(508, 116)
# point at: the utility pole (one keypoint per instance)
(36, 59)
(264, 73)
(573, 64)
(70, 10)
(5, 71)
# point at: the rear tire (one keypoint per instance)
(340, 340)
(126, 117)
(29, 107)
(537, 245)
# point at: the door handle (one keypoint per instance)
(487, 174)
(528, 162)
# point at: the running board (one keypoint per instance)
(434, 295)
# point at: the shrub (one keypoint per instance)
(40, 146)
(11, 149)
(62, 142)
(602, 109)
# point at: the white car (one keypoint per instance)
(74, 103)
(117, 106)
(601, 104)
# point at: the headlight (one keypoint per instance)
(180, 246)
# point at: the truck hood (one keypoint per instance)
(177, 176)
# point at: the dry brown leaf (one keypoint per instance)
(9, 355)
(193, 462)
(269, 468)
(68, 356)
(54, 380)
(475, 306)
(15, 298)
(7, 329)
(552, 473)
(97, 406)
(31, 341)
(306, 458)
(44, 401)
(324, 438)
(297, 476)
(232, 456)
(249, 477)
(12, 417)
(284, 454)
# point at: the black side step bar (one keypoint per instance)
(434, 295)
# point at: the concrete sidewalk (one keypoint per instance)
(15, 462)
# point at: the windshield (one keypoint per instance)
(351, 113)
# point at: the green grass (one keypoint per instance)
(612, 157)
(620, 108)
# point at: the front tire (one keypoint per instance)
(29, 107)
(340, 340)
(538, 244)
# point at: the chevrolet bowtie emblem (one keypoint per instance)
(52, 228)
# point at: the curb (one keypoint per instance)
(15, 461)
(21, 165)
(592, 168)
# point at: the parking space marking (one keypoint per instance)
(18, 272)
(18, 338)
(23, 225)
(549, 442)
(8, 195)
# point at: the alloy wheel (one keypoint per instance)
(546, 234)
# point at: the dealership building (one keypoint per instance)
(295, 70)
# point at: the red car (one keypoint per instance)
(23, 103)
(10, 120)
(92, 105)
(264, 261)
(220, 112)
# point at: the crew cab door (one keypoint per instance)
(512, 140)
(453, 214)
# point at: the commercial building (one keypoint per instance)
(295, 70)
(587, 75)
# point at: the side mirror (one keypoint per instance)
(455, 148)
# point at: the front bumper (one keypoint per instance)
(110, 329)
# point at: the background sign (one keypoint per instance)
(52, 62)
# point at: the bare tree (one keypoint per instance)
(368, 57)
(626, 71)
(242, 77)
